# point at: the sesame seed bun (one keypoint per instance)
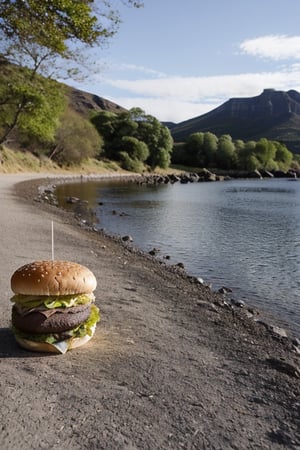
(53, 278)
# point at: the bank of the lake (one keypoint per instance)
(242, 234)
(172, 365)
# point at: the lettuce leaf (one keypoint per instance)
(86, 328)
(52, 301)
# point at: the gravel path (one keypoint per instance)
(171, 365)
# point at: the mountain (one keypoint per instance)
(84, 103)
(273, 114)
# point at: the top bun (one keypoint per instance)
(53, 278)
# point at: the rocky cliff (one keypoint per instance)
(272, 114)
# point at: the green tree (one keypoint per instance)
(131, 164)
(210, 146)
(178, 153)
(106, 124)
(33, 31)
(113, 128)
(76, 140)
(194, 150)
(295, 164)
(200, 149)
(283, 156)
(133, 155)
(157, 137)
(245, 156)
(265, 152)
(31, 106)
(226, 156)
(35, 34)
(136, 149)
(239, 145)
(135, 124)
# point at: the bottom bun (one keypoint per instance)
(59, 348)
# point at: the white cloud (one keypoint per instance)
(181, 98)
(188, 88)
(169, 110)
(136, 68)
(275, 47)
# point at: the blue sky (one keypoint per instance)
(177, 59)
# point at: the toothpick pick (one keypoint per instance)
(52, 239)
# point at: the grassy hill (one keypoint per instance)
(84, 102)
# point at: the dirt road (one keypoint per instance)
(171, 365)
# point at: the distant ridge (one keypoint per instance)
(273, 114)
(84, 103)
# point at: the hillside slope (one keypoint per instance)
(273, 114)
(85, 102)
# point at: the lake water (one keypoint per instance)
(242, 234)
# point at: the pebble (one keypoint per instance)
(127, 238)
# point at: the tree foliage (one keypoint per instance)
(225, 155)
(32, 31)
(139, 135)
(35, 34)
(32, 107)
(76, 140)
(204, 149)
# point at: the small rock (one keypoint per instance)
(279, 331)
(127, 238)
(224, 290)
(72, 200)
(238, 303)
(153, 252)
(296, 349)
(207, 305)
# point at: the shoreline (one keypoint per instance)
(271, 322)
(261, 317)
(171, 365)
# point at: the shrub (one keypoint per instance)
(76, 140)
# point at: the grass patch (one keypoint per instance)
(14, 161)
(104, 165)
(181, 168)
(17, 161)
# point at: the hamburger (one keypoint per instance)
(53, 308)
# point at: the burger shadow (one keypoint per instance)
(10, 349)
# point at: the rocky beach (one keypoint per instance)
(172, 365)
